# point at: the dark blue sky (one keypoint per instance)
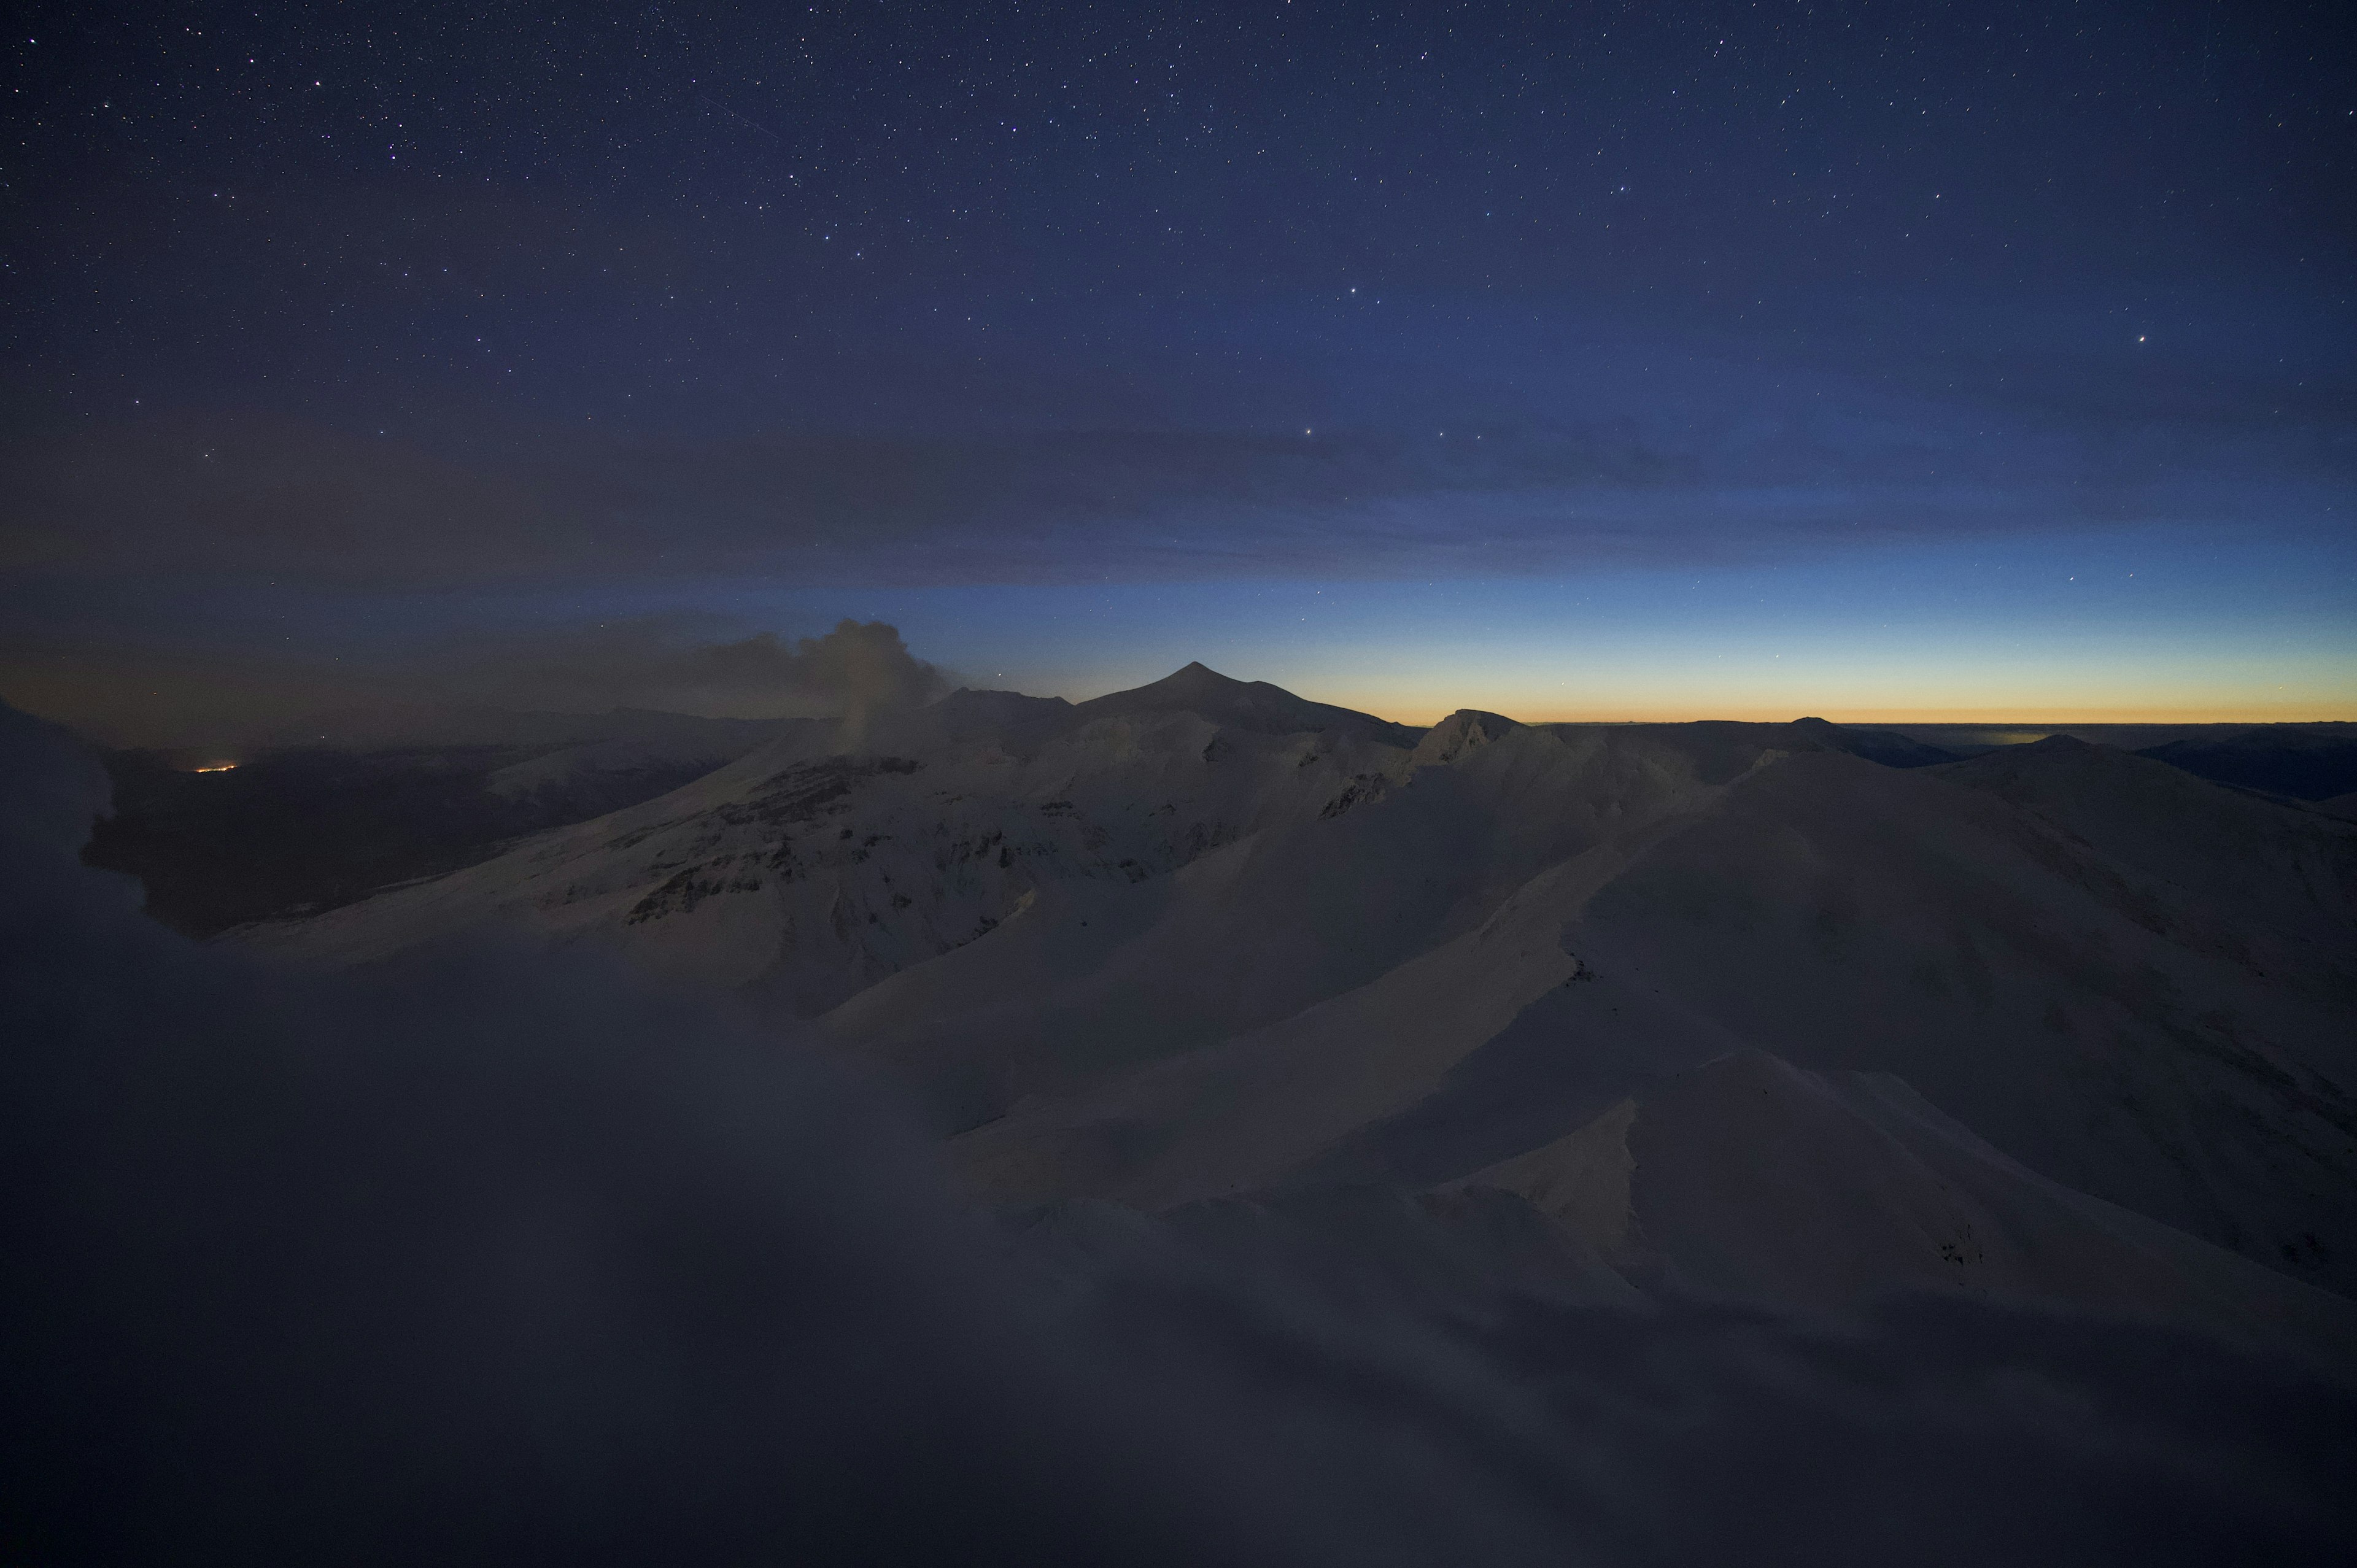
(1563, 359)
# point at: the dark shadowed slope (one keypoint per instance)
(302, 829)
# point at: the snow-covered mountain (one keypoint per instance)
(1740, 1009)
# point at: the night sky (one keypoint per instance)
(1878, 362)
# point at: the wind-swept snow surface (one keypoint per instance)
(1207, 940)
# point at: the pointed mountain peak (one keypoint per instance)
(1254, 705)
(1196, 675)
(1191, 683)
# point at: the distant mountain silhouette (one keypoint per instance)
(2307, 762)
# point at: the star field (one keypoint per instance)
(881, 296)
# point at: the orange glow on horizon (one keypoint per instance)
(2024, 716)
(1991, 719)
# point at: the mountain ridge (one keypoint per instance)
(1204, 940)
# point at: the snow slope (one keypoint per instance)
(1747, 1177)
